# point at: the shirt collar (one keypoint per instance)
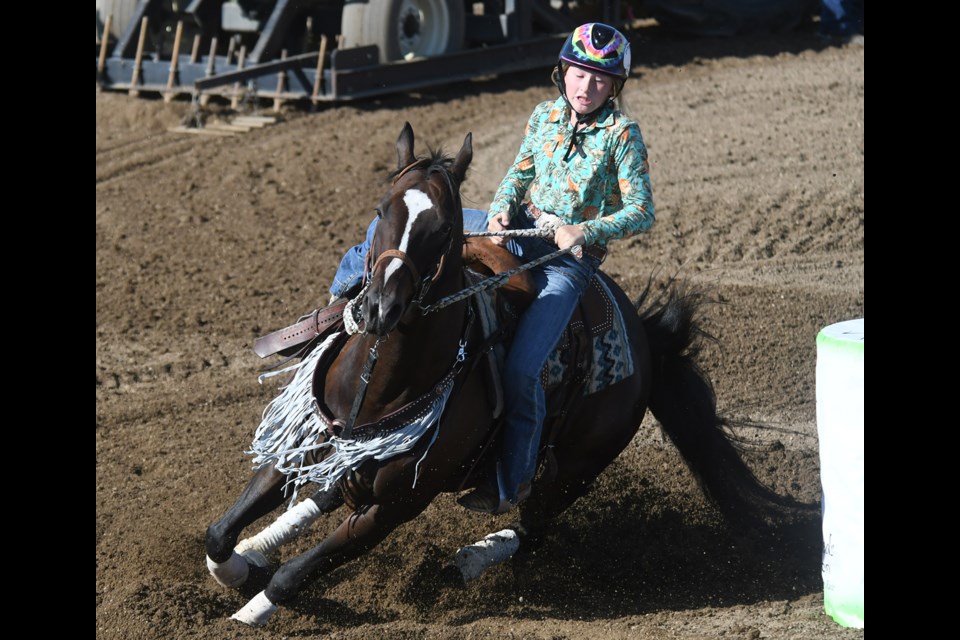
(606, 117)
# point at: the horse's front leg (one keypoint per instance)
(263, 494)
(290, 525)
(361, 531)
(227, 560)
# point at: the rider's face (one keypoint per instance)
(586, 91)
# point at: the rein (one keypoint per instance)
(499, 279)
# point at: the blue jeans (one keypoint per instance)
(559, 285)
(350, 272)
(841, 17)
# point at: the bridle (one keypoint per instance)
(424, 287)
(423, 283)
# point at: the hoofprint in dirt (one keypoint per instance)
(203, 244)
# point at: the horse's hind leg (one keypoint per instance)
(578, 457)
(549, 501)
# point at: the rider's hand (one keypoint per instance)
(499, 222)
(568, 235)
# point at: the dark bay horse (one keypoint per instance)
(416, 260)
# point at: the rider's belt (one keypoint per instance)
(594, 250)
(307, 328)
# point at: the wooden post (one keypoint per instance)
(319, 78)
(231, 45)
(102, 62)
(195, 53)
(281, 76)
(211, 68)
(135, 80)
(241, 59)
(174, 62)
(211, 59)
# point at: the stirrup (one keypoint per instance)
(483, 500)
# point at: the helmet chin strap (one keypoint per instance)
(576, 140)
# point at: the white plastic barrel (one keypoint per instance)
(840, 429)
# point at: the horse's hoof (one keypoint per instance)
(230, 574)
(257, 612)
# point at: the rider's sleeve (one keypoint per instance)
(350, 272)
(635, 214)
(514, 185)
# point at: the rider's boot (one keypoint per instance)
(486, 499)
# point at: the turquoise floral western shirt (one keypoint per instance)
(607, 192)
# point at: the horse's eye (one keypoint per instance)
(447, 227)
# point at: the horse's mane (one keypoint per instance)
(436, 161)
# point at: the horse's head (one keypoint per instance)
(420, 229)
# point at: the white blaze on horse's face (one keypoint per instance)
(417, 202)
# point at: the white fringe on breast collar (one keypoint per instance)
(292, 427)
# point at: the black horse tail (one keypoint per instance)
(682, 399)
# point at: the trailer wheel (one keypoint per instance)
(351, 24)
(407, 28)
(122, 11)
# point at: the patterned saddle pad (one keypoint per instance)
(593, 352)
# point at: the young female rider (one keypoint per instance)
(584, 165)
(584, 162)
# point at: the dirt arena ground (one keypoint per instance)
(203, 243)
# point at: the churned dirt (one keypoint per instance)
(203, 243)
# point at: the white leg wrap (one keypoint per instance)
(287, 527)
(231, 573)
(476, 558)
(257, 612)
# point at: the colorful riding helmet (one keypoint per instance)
(598, 47)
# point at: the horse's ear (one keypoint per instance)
(405, 155)
(462, 161)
